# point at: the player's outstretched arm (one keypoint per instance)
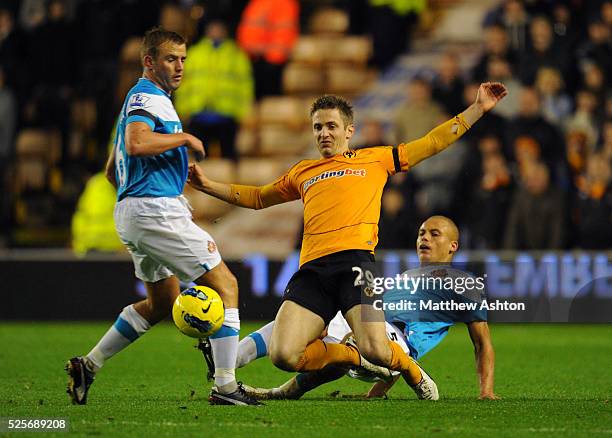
(485, 358)
(442, 136)
(243, 196)
(141, 141)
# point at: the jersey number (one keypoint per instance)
(360, 274)
(120, 161)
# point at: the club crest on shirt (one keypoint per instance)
(349, 154)
(212, 246)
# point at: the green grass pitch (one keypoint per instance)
(554, 380)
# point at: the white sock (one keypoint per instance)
(128, 327)
(224, 346)
(254, 346)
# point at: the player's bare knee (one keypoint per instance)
(285, 358)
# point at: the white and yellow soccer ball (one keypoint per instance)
(198, 312)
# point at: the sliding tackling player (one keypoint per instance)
(436, 246)
(341, 193)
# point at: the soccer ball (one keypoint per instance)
(198, 312)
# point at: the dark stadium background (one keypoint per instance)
(533, 176)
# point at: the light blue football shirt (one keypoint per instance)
(425, 329)
(162, 175)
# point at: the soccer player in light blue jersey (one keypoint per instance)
(416, 332)
(149, 166)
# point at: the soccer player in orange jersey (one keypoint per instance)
(341, 193)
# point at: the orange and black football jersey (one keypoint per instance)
(342, 194)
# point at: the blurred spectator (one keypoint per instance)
(489, 198)
(543, 52)
(13, 52)
(498, 70)
(391, 22)
(268, 31)
(93, 226)
(53, 49)
(395, 226)
(217, 89)
(592, 212)
(556, 105)
(597, 48)
(584, 118)
(529, 121)
(595, 82)
(537, 214)
(419, 115)
(577, 151)
(564, 27)
(8, 112)
(448, 85)
(515, 21)
(495, 46)
(372, 134)
(606, 139)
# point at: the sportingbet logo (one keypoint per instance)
(333, 174)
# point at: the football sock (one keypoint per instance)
(128, 327)
(309, 381)
(319, 354)
(254, 346)
(400, 361)
(224, 346)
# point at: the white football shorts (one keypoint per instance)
(338, 329)
(163, 239)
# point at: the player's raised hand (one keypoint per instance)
(489, 94)
(196, 177)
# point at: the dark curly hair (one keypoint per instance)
(334, 102)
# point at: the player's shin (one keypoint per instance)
(319, 354)
(254, 346)
(224, 346)
(128, 327)
(400, 361)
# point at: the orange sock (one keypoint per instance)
(400, 361)
(319, 354)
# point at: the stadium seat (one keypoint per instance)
(260, 171)
(219, 169)
(39, 143)
(279, 140)
(30, 174)
(329, 21)
(347, 80)
(246, 141)
(310, 50)
(84, 114)
(130, 51)
(283, 110)
(205, 206)
(354, 50)
(301, 79)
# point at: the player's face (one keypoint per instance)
(167, 68)
(435, 243)
(331, 135)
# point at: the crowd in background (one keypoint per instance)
(533, 174)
